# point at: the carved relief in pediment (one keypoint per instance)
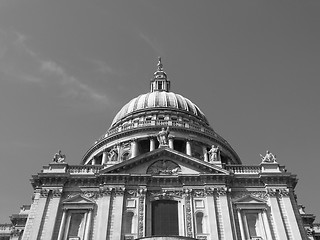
(165, 167)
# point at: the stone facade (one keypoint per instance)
(162, 173)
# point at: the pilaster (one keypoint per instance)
(276, 215)
(288, 211)
(103, 213)
(226, 223)
(36, 215)
(118, 207)
(53, 211)
(213, 227)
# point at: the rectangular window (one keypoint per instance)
(254, 225)
(77, 224)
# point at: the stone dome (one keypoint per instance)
(135, 127)
(159, 100)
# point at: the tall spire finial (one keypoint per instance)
(160, 66)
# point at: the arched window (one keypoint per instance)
(128, 222)
(199, 222)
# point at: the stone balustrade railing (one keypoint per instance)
(241, 169)
(7, 227)
(84, 169)
(169, 123)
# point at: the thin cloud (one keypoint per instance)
(153, 44)
(103, 67)
(72, 86)
(19, 62)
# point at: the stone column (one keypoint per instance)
(104, 157)
(171, 142)
(62, 225)
(93, 161)
(88, 226)
(152, 144)
(103, 214)
(188, 147)
(134, 148)
(205, 153)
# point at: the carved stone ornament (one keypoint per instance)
(198, 193)
(166, 194)
(56, 193)
(44, 192)
(283, 192)
(132, 193)
(258, 194)
(59, 157)
(105, 191)
(209, 191)
(119, 191)
(268, 158)
(16, 232)
(113, 154)
(141, 215)
(188, 216)
(164, 167)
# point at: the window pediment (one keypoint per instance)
(78, 202)
(250, 202)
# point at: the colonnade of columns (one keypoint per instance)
(135, 149)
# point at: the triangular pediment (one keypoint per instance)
(250, 199)
(164, 161)
(250, 202)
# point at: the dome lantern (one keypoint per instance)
(160, 81)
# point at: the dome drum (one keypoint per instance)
(145, 137)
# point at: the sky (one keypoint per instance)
(67, 67)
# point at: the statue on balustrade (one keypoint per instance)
(269, 157)
(59, 157)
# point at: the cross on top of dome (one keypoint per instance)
(159, 81)
(160, 66)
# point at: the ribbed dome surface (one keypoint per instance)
(159, 99)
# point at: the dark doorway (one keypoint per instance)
(165, 218)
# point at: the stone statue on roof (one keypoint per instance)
(59, 157)
(269, 157)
